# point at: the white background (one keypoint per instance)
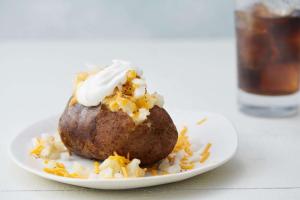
(115, 18)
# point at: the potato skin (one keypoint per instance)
(96, 132)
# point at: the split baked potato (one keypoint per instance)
(97, 132)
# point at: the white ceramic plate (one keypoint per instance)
(216, 130)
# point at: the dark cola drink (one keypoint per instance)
(268, 48)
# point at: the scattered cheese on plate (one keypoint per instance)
(48, 147)
(182, 158)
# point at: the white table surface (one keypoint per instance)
(35, 83)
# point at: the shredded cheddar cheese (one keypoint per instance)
(80, 77)
(164, 173)
(46, 161)
(204, 157)
(154, 172)
(121, 159)
(206, 149)
(183, 142)
(73, 101)
(187, 166)
(36, 151)
(131, 74)
(96, 167)
(202, 121)
(205, 154)
(124, 171)
(60, 170)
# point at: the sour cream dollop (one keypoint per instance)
(102, 84)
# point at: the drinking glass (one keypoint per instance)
(268, 56)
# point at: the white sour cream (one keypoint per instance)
(102, 84)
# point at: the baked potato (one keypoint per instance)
(97, 132)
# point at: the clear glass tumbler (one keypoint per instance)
(268, 56)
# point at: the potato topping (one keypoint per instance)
(48, 147)
(133, 99)
(59, 169)
(120, 167)
(183, 157)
